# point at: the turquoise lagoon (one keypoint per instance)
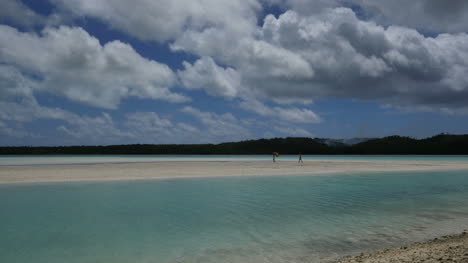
(237, 219)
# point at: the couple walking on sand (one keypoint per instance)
(275, 154)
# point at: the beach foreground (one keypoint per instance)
(453, 248)
(194, 169)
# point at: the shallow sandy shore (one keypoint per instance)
(445, 249)
(189, 169)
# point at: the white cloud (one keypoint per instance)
(297, 115)
(27, 110)
(16, 12)
(253, 59)
(19, 108)
(293, 131)
(291, 114)
(17, 132)
(218, 127)
(98, 130)
(215, 80)
(257, 107)
(77, 129)
(307, 7)
(427, 15)
(68, 61)
(150, 127)
(164, 19)
(335, 54)
(13, 84)
(288, 101)
(318, 50)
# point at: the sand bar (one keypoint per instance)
(193, 169)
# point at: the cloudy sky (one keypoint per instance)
(78, 72)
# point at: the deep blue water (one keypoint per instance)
(236, 219)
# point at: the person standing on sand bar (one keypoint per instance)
(300, 158)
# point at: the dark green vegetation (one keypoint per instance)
(440, 144)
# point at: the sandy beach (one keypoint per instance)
(453, 248)
(194, 169)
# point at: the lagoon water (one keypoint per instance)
(237, 219)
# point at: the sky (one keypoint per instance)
(87, 72)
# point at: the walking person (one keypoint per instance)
(300, 159)
(275, 154)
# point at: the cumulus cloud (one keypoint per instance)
(218, 127)
(67, 61)
(336, 54)
(17, 102)
(215, 80)
(19, 108)
(164, 19)
(307, 7)
(207, 75)
(9, 132)
(428, 15)
(285, 114)
(97, 130)
(14, 11)
(13, 84)
(293, 131)
(318, 50)
(77, 129)
(434, 16)
(255, 59)
(28, 110)
(150, 127)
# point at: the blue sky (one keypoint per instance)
(119, 72)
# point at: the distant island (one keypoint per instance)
(442, 144)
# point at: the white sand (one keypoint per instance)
(187, 169)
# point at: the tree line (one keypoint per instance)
(443, 144)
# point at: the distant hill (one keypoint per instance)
(442, 144)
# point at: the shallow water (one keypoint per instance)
(95, 159)
(239, 219)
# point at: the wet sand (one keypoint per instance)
(453, 249)
(194, 169)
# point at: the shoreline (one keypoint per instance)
(209, 168)
(449, 248)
